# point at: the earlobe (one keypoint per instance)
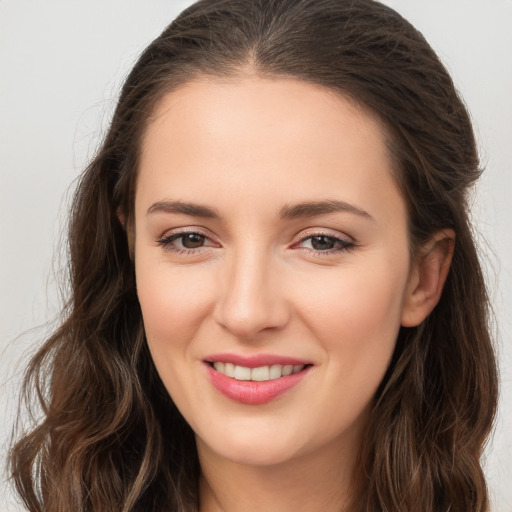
(427, 277)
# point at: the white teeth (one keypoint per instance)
(275, 371)
(229, 369)
(262, 373)
(287, 370)
(242, 373)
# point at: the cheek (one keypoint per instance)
(173, 304)
(356, 323)
(373, 304)
(356, 317)
(356, 301)
(173, 301)
(370, 329)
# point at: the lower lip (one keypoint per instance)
(253, 392)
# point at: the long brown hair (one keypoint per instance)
(110, 437)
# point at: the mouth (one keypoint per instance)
(258, 374)
(251, 381)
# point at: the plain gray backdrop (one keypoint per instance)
(61, 67)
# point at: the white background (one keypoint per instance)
(61, 66)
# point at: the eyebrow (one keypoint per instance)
(313, 208)
(195, 210)
(295, 211)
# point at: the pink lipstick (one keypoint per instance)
(254, 380)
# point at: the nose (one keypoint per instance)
(251, 295)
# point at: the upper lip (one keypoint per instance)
(255, 361)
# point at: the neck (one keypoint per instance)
(323, 481)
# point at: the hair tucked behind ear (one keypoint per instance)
(110, 437)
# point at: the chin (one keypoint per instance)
(251, 447)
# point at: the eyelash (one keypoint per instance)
(344, 244)
(166, 242)
(341, 244)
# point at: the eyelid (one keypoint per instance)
(187, 229)
(311, 232)
(167, 237)
(346, 242)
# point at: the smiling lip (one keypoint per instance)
(254, 361)
(254, 392)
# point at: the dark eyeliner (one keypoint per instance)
(166, 242)
(341, 244)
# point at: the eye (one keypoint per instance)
(326, 244)
(184, 242)
(191, 240)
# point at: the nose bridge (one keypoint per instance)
(250, 298)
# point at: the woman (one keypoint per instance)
(276, 300)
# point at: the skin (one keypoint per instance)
(249, 149)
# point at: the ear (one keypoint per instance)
(427, 277)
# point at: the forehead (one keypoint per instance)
(256, 106)
(286, 137)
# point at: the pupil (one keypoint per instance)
(193, 240)
(322, 243)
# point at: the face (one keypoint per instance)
(272, 264)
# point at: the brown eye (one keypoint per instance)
(326, 244)
(184, 242)
(323, 243)
(192, 240)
